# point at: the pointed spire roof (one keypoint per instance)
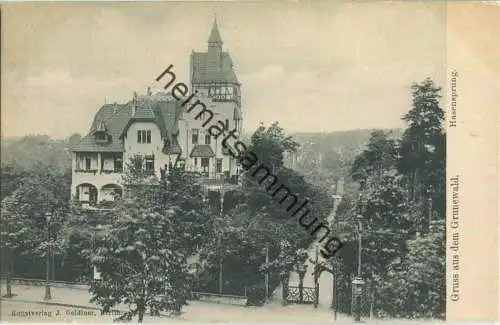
(214, 34)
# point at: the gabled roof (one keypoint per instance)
(115, 116)
(144, 111)
(172, 147)
(202, 151)
(160, 109)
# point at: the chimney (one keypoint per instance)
(134, 103)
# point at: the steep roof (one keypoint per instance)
(214, 34)
(213, 65)
(164, 111)
(204, 71)
(202, 151)
(144, 111)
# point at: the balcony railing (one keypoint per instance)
(111, 171)
(219, 179)
(90, 171)
(95, 171)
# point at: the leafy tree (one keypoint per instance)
(24, 225)
(396, 178)
(142, 263)
(140, 258)
(142, 255)
(379, 157)
(270, 144)
(416, 285)
(261, 222)
(16, 234)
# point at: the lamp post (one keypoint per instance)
(429, 203)
(48, 296)
(358, 282)
(266, 276)
(301, 270)
(219, 239)
(317, 273)
(284, 283)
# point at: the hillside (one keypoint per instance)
(322, 157)
(325, 157)
(32, 154)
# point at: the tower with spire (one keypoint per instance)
(214, 78)
(156, 129)
(214, 46)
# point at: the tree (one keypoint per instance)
(142, 262)
(261, 222)
(142, 255)
(24, 226)
(16, 234)
(415, 286)
(270, 144)
(396, 178)
(378, 158)
(422, 147)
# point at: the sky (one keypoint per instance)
(314, 67)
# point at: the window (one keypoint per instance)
(138, 162)
(205, 162)
(195, 161)
(220, 92)
(100, 136)
(143, 136)
(88, 163)
(207, 139)
(182, 163)
(118, 164)
(218, 165)
(194, 136)
(150, 164)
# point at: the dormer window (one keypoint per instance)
(101, 136)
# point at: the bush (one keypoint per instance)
(256, 295)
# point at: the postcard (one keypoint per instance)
(250, 162)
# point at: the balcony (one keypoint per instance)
(86, 171)
(111, 171)
(219, 180)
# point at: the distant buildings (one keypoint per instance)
(156, 130)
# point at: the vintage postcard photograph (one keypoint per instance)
(237, 162)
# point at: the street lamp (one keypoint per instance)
(48, 296)
(301, 270)
(429, 204)
(358, 282)
(266, 275)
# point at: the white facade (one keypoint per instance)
(121, 132)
